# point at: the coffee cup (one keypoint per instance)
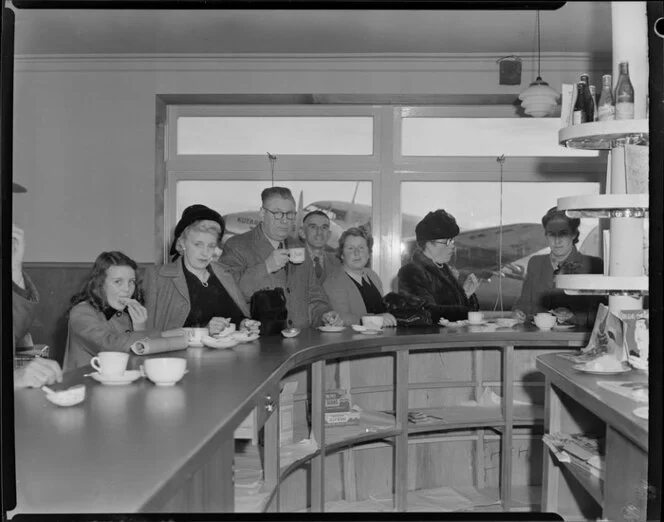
(545, 321)
(195, 335)
(375, 322)
(296, 255)
(110, 363)
(475, 317)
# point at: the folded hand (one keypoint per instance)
(37, 373)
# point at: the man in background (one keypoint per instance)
(315, 232)
(25, 298)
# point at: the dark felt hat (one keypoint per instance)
(437, 225)
(192, 214)
(556, 220)
(18, 189)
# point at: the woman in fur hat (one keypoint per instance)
(429, 277)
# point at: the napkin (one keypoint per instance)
(149, 345)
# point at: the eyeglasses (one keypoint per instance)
(447, 242)
(280, 215)
(562, 233)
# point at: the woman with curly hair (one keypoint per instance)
(108, 313)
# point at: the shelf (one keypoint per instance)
(605, 206)
(600, 135)
(597, 284)
(592, 484)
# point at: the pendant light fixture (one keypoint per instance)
(539, 100)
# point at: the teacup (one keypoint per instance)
(545, 321)
(296, 255)
(195, 335)
(475, 317)
(165, 371)
(110, 363)
(375, 322)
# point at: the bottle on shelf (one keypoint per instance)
(593, 96)
(624, 94)
(606, 111)
(580, 112)
(585, 78)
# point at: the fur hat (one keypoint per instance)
(437, 225)
(192, 214)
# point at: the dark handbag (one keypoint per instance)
(269, 307)
(407, 310)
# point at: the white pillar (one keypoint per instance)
(629, 24)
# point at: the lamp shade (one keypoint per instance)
(539, 100)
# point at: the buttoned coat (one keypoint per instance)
(539, 294)
(167, 295)
(346, 298)
(245, 255)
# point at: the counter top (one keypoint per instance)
(125, 449)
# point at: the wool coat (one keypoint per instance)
(245, 255)
(346, 298)
(437, 287)
(24, 306)
(167, 295)
(539, 294)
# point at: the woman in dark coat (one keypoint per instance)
(539, 293)
(429, 277)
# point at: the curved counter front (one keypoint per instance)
(143, 448)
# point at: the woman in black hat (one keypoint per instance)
(428, 276)
(538, 293)
(193, 290)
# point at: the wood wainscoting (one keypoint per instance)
(56, 283)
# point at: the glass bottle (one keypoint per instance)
(624, 94)
(593, 97)
(580, 113)
(605, 108)
(590, 105)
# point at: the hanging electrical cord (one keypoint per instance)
(272, 159)
(501, 160)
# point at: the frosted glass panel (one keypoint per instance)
(240, 201)
(484, 137)
(298, 135)
(476, 207)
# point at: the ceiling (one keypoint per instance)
(575, 27)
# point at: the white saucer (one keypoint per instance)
(244, 337)
(642, 412)
(371, 331)
(358, 327)
(582, 368)
(329, 328)
(220, 342)
(481, 323)
(117, 380)
(564, 326)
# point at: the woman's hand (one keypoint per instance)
(37, 373)
(471, 284)
(388, 320)
(519, 315)
(332, 318)
(250, 325)
(138, 314)
(218, 324)
(563, 315)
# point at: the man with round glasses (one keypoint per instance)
(260, 259)
(429, 277)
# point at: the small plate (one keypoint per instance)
(358, 327)
(329, 328)
(290, 332)
(117, 380)
(582, 368)
(371, 331)
(244, 337)
(564, 326)
(69, 397)
(642, 412)
(220, 342)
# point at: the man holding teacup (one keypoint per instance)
(261, 259)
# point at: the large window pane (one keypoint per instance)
(258, 135)
(348, 203)
(476, 207)
(484, 137)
